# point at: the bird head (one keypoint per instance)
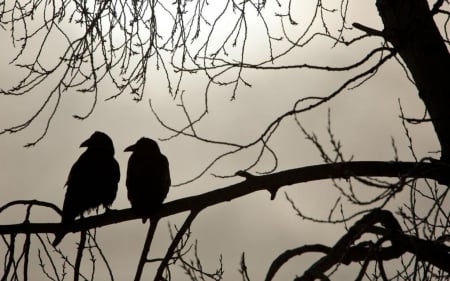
(100, 142)
(144, 145)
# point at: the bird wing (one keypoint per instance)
(93, 180)
(110, 175)
(166, 181)
(148, 181)
(77, 187)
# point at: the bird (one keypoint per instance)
(148, 177)
(92, 181)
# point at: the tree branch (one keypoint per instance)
(438, 254)
(146, 248)
(287, 255)
(368, 30)
(81, 246)
(163, 265)
(272, 183)
(409, 26)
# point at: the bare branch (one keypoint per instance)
(344, 252)
(163, 265)
(289, 254)
(272, 183)
(31, 203)
(81, 246)
(368, 30)
(146, 248)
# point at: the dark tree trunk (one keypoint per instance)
(409, 26)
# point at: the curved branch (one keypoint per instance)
(343, 252)
(272, 183)
(31, 203)
(299, 107)
(289, 254)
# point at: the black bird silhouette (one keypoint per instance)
(148, 177)
(92, 180)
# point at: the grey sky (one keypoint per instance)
(364, 119)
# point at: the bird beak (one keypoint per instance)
(130, 148)
(85, 143)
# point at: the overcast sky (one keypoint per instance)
(364, 120)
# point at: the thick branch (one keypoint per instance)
(289, 254)
(435, 253)
(409, 26)
(339, 250)
(272, 183)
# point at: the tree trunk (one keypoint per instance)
(409, 26)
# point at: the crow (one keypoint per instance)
(93, 180)
(148, 177)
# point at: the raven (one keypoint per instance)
(92, 180)
(148, 177)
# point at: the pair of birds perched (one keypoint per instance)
(93, 179)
